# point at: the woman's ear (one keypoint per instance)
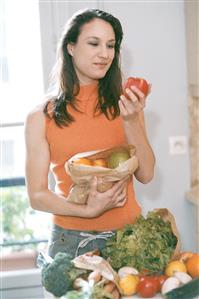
(70, 49)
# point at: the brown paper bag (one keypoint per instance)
(98, 263)
(82, 174)
(166, 215)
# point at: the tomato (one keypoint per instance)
(142, 277)
(140, 83)
(148, 286)
(160, 280)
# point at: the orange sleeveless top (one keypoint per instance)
(88, 132)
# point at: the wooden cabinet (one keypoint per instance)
(192, 38)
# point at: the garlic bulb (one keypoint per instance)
(95, 275)
(127, 270)
(170, 284)
(182, 277)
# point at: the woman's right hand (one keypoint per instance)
(100, 202)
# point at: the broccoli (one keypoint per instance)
(57, 277)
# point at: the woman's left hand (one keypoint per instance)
(131, 106)
(131, 111)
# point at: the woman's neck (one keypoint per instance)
(88, 82)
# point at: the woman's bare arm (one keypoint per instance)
(134, 125)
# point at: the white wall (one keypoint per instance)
(153, 47)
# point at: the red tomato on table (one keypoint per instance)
(148, 286)
(140, 83)
(161, 279)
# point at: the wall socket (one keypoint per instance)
(177, 145)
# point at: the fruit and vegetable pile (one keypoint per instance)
(109, 166)
(142, 259)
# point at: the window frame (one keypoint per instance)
(16, 182)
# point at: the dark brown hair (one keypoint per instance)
(65, 78)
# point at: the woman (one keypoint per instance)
(86, 112)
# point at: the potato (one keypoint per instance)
(109, 287)
(116, 293)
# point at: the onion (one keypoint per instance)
(170, 284)
(182, 277)
(127, 270)
(95, 275)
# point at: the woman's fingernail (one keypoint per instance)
(121, 97)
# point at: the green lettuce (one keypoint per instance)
(147, 245)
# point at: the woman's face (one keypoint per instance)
(94, 51)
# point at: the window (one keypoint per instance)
(21, 83)
(21, 88)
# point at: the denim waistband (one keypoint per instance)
(85, 236)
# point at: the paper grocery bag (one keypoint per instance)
(93, 263)
(166, 215)
(81, 175)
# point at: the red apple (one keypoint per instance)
(140, 83)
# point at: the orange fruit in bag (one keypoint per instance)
(100, 162)
(83, 161)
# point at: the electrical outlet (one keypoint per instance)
(177, 145)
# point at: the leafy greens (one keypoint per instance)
(147, 245)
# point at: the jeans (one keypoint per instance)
(76, 242)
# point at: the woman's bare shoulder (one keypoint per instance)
(36, 116)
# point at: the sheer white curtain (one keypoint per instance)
(21, 88)
(21, 82)
(22, 78)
